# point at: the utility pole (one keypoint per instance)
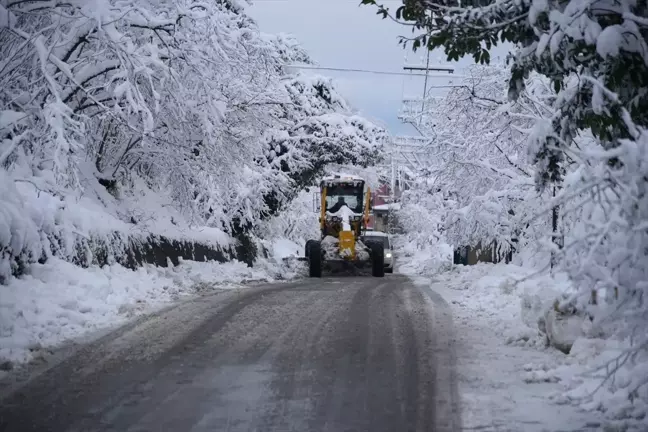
(392, 185)
(427, 69)
(407, 148)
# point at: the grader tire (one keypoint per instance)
(314, 259)
(377, 260)
(307, 247)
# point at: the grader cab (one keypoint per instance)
(344, 204)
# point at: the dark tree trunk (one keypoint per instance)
(555, 236)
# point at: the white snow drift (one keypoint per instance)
(511, 378)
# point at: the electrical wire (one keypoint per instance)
(375, 72)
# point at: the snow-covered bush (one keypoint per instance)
(297, 222)
(423, 247)
(19, 240)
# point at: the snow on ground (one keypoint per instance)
(58, 301)
(284, 248)
(509, 380)
(496, 352)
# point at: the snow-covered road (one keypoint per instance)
(337, 354)
(451, 348)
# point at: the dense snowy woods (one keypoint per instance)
(155, 116)
(549, 153)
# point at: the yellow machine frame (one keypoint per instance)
(347, 240)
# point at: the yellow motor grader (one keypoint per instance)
(344, 204)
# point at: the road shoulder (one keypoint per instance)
(448, 402)
(492, 371)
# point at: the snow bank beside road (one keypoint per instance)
(422, 258)
(604, 378)
(58, 301)
(36, 221)
(284, 248)
(510, 380)
(496, 353)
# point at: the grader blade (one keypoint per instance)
(347, 245)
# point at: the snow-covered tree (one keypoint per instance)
(135, 87)
(596, 56)
(187, 97)
(476, 158)
(320, 129)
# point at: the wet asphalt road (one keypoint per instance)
(336, 354)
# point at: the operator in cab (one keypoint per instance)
(338, 205)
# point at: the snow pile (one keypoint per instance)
(545, 307)
(330, 246)
(284, 248)
(507, 315)
(606, 376)
(496, 353)
(281, 251)
(58, 301)
(585, 383)
(493, 292)
(601, 373)
(362, 249)
(422, 258)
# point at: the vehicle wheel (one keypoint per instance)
(308, 243)
(377, 260)
(389, 270)
(314, 258)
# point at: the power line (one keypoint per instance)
(428, 67)
(375, 72)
